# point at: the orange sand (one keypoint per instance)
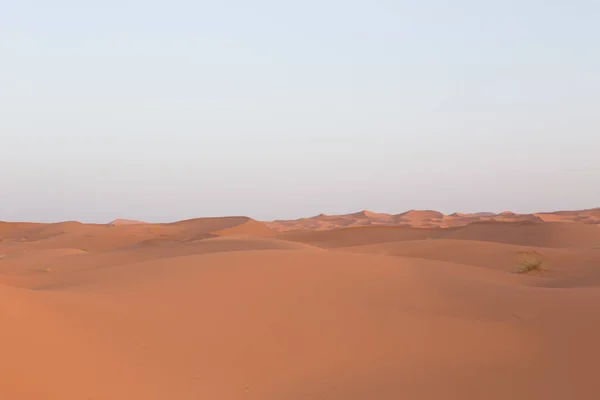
(364, 306)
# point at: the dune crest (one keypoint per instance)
(120, 222)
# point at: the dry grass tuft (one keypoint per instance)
(531, 261)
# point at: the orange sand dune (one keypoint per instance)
(591, 216)
(119, 222)
(428, 219)
(359, 235)
(519, 233)
(420, 214)
(96, 237)
(561, 266)
(551, 234)
(227, 309)
(370, 215)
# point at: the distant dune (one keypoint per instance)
(420, 215)
(417, 305)
(428, 219)
(119, 222)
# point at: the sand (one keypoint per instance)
(384, 307)
(429, 219)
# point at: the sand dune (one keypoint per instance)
(520, 233)
(97, 237)
(370, 215)
(359, 235)
(552, 234)
(227, 309)
(419, 215)
(428, 219)
(119, 222)
(561, 266)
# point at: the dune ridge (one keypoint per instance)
(428, 219)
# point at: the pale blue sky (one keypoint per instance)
(165, 110)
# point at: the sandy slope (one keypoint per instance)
(359, 235)
(223, 309)
(562, 267)
(551, 234)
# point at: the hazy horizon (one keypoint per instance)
(160, 111)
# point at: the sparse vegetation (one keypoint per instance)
(532, 261)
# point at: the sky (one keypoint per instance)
(168, 110)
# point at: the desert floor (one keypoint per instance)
(363, 306)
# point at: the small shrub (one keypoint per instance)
(531, 262)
